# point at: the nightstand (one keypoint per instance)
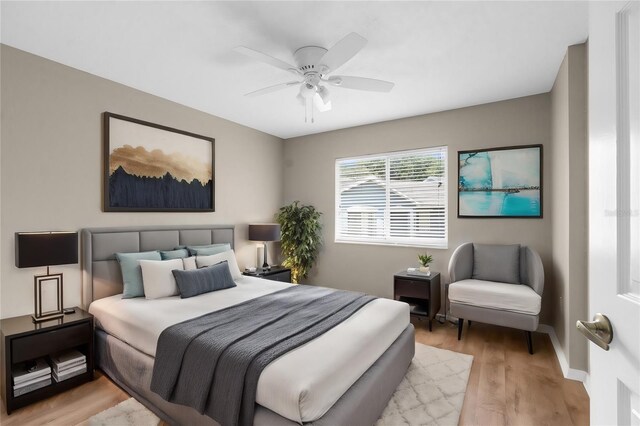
(276, 273)
(421, 292)
(23, 340)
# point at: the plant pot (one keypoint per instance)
(425, 269)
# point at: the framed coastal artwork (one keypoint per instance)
(500, 182)
(154, 168)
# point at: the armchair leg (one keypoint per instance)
(460, 324)
(529, 342)
(469, 321)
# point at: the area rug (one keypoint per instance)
(129, 412)
(431, 393)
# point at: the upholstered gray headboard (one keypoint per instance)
(101, 276)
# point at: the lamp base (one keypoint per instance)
(47, 314)
(265, 265)
(46, 317)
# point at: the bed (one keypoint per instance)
(345, 376)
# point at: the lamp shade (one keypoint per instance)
(46, 248)
(264, 232)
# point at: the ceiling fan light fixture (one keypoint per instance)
(307, 90)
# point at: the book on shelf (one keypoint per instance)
(67, 358)
(30, 382)
(69, 373)
(42, 382)
(62, 369)
(28, 371)
(71, 369)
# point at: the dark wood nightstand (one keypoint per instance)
(276, 273)
(421, 292)
(23, 340)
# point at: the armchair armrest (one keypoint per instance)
(533, 274)
(461, 263)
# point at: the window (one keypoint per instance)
(396, 198)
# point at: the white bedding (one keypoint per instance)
(301, 385)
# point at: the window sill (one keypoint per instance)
(440, 246)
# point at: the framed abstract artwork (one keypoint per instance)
(154, 168)
(500, 182)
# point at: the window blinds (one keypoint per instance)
(396, 198)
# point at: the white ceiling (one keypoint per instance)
(441, 55)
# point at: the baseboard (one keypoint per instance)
(587, 384)
(569, 373)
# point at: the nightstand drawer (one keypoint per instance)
(410, 288)
(46, 343)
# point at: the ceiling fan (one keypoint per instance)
(313, 64)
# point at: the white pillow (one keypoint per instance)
(189, 263)
(157, 278)
(229, 256)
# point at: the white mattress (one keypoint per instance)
(518, 298)
(301, 385)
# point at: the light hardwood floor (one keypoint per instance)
(507, 386)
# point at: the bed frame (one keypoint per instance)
(131, 369)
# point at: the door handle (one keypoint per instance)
(599, 331)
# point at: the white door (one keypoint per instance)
(614, 208)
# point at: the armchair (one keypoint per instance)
(496, 284)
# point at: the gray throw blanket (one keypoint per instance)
(212, 363)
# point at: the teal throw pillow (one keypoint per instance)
(209, 250)
(132, 273)
(174, 254)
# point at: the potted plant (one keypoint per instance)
(425, 260)
(300, 239)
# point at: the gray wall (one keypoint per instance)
(569, 204)
(51, 165)
(309, 177)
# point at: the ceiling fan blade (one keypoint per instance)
(360, 83)
(320, 105)
(341, 52)
(273, 88)
(263, 57)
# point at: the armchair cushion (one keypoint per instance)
(494, 295)
(496, 262)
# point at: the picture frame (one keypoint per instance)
(502, 182)
(149, 167)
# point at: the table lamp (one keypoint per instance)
(35, 249)
(264, 232)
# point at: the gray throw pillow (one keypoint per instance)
(496, 262)
(205, 280)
